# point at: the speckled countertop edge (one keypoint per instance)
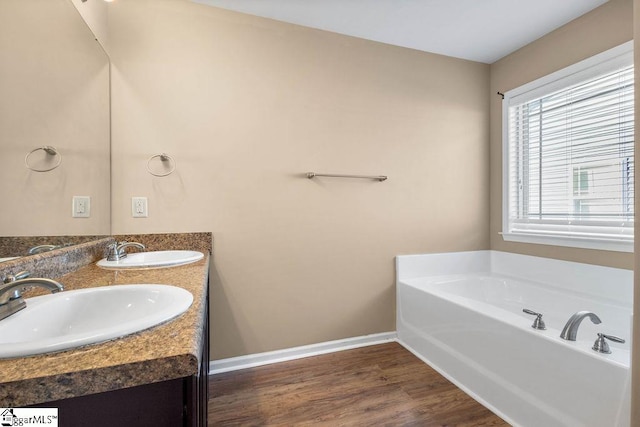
(58, 262)
(11, 246)
(164, 352)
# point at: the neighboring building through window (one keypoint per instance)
(568, 156)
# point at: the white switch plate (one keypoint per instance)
(81, 207)
(139, 207)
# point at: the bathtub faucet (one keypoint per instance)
(570, 330)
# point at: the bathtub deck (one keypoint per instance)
(377, 385)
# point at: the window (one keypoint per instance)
(568, 149)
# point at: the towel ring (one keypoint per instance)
(164, 158)
(50, 151)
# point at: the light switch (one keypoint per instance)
(139, 207)
(81, 207)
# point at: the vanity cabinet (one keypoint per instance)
(173, 403)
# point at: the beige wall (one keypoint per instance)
(96, 16)
(246, 106)
(54, 90)
(603, 28)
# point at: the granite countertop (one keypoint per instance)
(164, 352)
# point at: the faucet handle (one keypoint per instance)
(111, 251)
(601, 345)
(13, 277)
(538, 323)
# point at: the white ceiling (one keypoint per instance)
(478, 30)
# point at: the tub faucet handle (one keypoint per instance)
(601, 345)
(538, 323)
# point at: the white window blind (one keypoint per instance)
(570, 158)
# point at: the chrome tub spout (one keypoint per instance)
(570, 330)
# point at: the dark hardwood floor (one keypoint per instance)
(382, 385)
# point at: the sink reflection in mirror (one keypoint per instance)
(76, 318)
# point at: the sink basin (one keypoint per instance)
(70, 319)
(153, 259)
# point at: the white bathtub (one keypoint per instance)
(462, 314)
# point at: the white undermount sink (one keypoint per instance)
(153, 259)
(71, 319)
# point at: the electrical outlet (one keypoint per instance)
(81, 207)
(139, 207)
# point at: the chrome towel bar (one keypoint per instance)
(331, 175)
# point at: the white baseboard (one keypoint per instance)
(259, 359)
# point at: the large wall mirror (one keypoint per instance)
(54, 127)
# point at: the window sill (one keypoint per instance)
(572, 242)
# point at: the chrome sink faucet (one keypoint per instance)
(117, 251)
(570, 330)
(11, 289)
